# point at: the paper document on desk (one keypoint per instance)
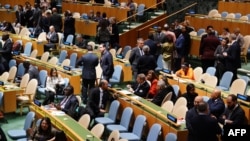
(58, 113)
(126, 92)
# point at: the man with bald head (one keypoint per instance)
(216, 104)
(192, 113)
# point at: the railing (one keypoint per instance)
(155, 23)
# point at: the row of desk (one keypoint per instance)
(234, 7)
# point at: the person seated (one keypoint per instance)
(44, 131)
(152, 78)
(162, 91)
(190, 95)
(140, 88)
(233, 114)
(52, 38)
(69, 100)
(98, 99)
(8, 28)
(216, 104)
(32, 70)
(80, 42)
(185, 72)
(54, 86)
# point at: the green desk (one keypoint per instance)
(73, 130)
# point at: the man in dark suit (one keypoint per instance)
(5, 53)
(106, 63)
(205, 127)
(136, 53)
(98, 99)
(234, 114)
(232, 56)
(69, 100)
(216, 104)
(140, 88)
(89, 61)
(52, 38)
(56, 20)
(191, 113)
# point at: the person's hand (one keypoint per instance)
(178, 74)
(224, 53)
(58, 107)
(102, 110)
(128, 86)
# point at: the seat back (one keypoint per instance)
(211, 81)
(167, 97)
(127, 55)
(200, 31)
(113, 109)
(42, 78)
(226, 79)
(126, 117)
(29, 120)
(140, 9)
(180, 112)
(125, 50)
(180, 102)
(4, 76)
(197, 73)
(27, 48)
(84, 120)
(53, 60)
(12, 63)
(113, 52)
(24, 32)
(60, 38)
(45, 56)
(212, 12)
(224, 14)
(66, 62)
(160, 62)
(69, 40)
(205, 98)
(73, 58)
(31, 89)
(176, 89)
(24, 81)
(154, 132)
(238, 87)
(119, 51)
(116, 77)
(237, 16)
(245, 78)
(139, 124)
(34, 53)
(211, 71)
(42, 36)
(171, 137)
(62, 56)
(97, 130)
(12, 73)
(217, 16)
(204, 77)
(20, 70)
(114, 136)
(168, 106)
(243, 18)
(230, 16)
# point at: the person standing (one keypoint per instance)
(216, 104)
(5, 53)
(32, 70)
(136, 53)
(89, 61)
(56, 20)
(106, 62)
(69, 25)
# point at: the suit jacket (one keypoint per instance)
(209, 46)
(161, 94)
(71, 102)
(144, 66)
(134, 57)
(237, 116)
(142, 89)
(190, 99)
(20, 17)
(94, 100)
(233, 61)
(191, 113)
(6, 51)
(216, 107)
(33, 72)
(89, 61)
(69, 25)
(56, 21)
(106, 63)
(53, 37)
(205, 128)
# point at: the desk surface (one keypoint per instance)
(63, 122)
(234, 7)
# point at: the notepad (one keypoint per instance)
(126, 92)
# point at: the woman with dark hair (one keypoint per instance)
(43, 132)
(54, 84)
(20, 15)
(152, 78)
(190, 95)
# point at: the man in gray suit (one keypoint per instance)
(52, 38)
(136, 53)
(89, 61)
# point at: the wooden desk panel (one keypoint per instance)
(234, 7)
(86, 27)
(8, 16)
(16, 2)
(119, 13)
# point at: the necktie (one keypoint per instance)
(64, 100)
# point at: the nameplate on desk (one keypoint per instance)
(172, 118)
(243, 97)
(119, 56)
(67, 68)
(166, 71)
(38, 103)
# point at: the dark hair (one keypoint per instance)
(189, 87)
(26, 64)
(209, 27)
(202, 107)
(154, 76)
(52, 70)
(226, 39)
(102, 82)
(49, 126)
(71, 88)
(234, 97)
(89, 47)
(5, 36)
(226, 29)
(165, 79)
